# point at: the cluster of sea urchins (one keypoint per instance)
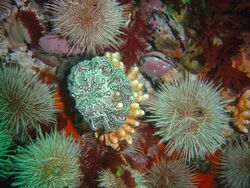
(188, 114)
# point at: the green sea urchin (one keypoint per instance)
(50, 162)
(235, 165)
(190, 116)
(102, 93)
(25, 102)
(88, 24)
(5, 145)
(170, 174)
(107, 179)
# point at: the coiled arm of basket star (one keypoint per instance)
(241, 112)
(124, 132)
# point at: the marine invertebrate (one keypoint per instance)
(51, 161)
(102, 91)
(26, 102)
(88, 24)
(134, 150)
(190, 116)
(235, 165)
(170, 173)
(145, 147)
(5, 153)
(5, 7)
(241, 112)
(107, 98)
(107, 179)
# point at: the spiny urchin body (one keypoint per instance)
(170, 174)
(107, 179)
(102, 93)
(235, 165)
(134, 150)
(88, 24)
(25, 102)
(190, 116)
(5, 7)
(5, 153)
(52, 161)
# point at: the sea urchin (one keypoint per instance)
(107, 179)
(5, 150)
(25, 102)
(190, 116)
(88, 24)
(170, 174)
(52, 161)
(235, 165)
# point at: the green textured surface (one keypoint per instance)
(93, 85)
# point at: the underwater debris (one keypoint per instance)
(51, 161)
(26, 102)
(73, 20)
(190, 116)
